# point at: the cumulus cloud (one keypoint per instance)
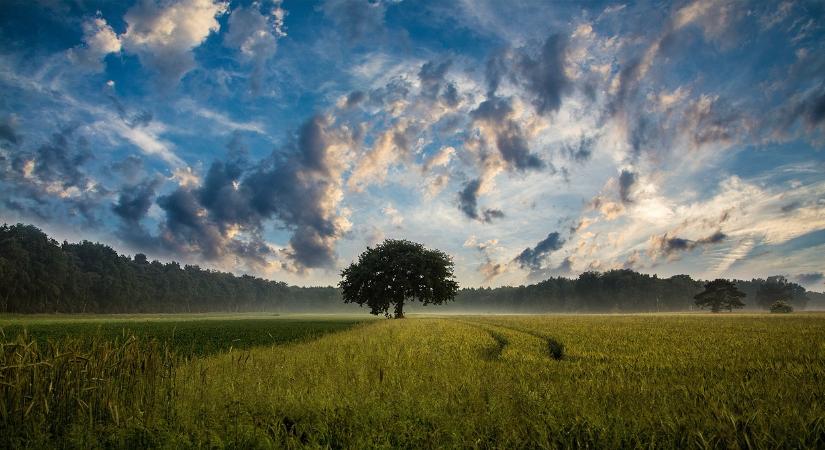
(543, 76)
(670, 245)
(533, 258)
(301, 188)
(391, 147)
(468, 203)
(163, 34)
(51, 181)
(99, 40)
(255, 34)
(626, 181)
(495, 119)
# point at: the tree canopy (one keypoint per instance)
(397, 271)
(778, 288)
(720, 294)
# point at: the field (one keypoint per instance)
(692, 380)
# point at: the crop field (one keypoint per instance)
(692, 380)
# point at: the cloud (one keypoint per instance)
(391, 147)
(495, 118)
(543, 77)
(356, 19)
(51, 181)
(579, 151)
(164, 34)
(99, 40)
(134, 201)
(626, 181)
(488, 268)
(438, 159)
(533, 258)
(468, 203)
(432, 76)
(810, 278)
(354, 98)
(8, 130)
(255, 35)
(670, 245)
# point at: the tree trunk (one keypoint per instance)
(399, 310)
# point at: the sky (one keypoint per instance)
(527, 139)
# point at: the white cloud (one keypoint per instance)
(99, 39)
(164, 34)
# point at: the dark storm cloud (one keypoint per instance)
(450, 95)
(51, 182)
(670, 245)
(134, 201)
(468, 199)
(511, 142)
(8, 130)
(354, 98)
(543, 76)
(185, 227)
(533, 258)
(810, 278)
(490, 214)
(131, 169)
(60, 160)
(356, 19)
(626, 181)
(293, 186)
(432, 76)
(468, 203)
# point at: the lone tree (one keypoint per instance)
(397, 271)
(719, 294)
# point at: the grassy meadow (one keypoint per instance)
(670, 380)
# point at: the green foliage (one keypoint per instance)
(38, 275)
(778, 288)
(780, 306)
(397, 271)
(720, 294)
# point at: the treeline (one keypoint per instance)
(40, 275)
(620, 291)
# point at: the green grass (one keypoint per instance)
(694, 381)
(194, 335)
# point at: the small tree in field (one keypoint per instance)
(781, 306)
(720, 294)
(397, 271)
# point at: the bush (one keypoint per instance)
(780, 306)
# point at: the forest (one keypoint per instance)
(40, 275)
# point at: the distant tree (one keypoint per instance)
(720, 294)
(397, 271)
(780, 306)
(779, 288)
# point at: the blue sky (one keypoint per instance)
(526, 139)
